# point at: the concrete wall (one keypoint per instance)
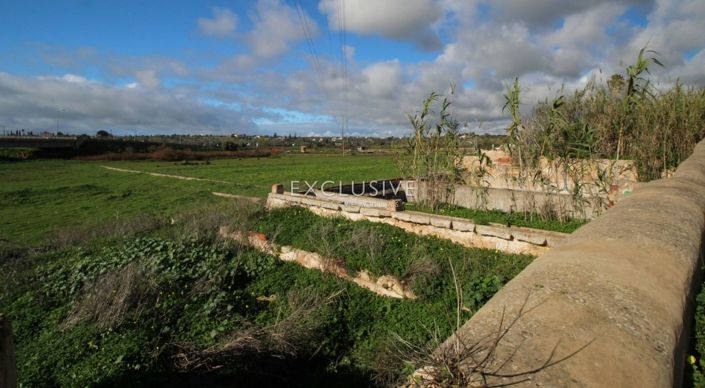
(512, 200)
(622, 287)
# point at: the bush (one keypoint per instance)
(624, 118)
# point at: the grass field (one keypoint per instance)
(140, 290)
(38, 197)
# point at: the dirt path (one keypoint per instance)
(186, 178)
(235, 196)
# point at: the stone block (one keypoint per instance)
(402, 216)
(278, 188)
(350, 209)
(330, 205)
(441, 221)
(554, 239)
(530, 236)
(374, 212)
(310, 201)
(463, 225)
(419, 218)
(494, 231)
(293, 198)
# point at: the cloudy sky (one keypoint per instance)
(307, 66)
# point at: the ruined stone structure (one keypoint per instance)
(611, 306)
(459, 230)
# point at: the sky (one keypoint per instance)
(315, 67)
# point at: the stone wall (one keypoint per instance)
(514, 200)
(612, 305)
(384, 285)
(502, 173)
(458, 230)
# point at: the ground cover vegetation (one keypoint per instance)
(175, 305)
(419, 261)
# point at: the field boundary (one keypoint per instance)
(461, 231)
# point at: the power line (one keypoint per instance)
(342, 38)
(310, 44)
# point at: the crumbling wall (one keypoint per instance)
(612, 305)
(459, 230)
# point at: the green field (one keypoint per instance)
(39, 197)
(115, 278)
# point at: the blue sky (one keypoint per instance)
(266, 66)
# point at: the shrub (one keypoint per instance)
(622, 118)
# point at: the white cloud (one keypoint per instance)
(383, 79)
(674, 27)
(148, 79)
(222, 24)
(690, 72)
(74, 78)
(394, 19)
(542, 14)
(582, 38)
(276, 26)
(86, 106)
(547, 43)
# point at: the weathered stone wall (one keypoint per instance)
(385, 285)
(459, 230)
(503, 173)
(619, 291)
(513, 200)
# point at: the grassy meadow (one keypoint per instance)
(39, 197)
(113, 278)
